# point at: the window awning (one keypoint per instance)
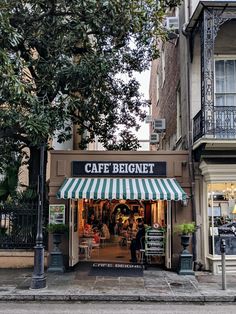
(122, 188)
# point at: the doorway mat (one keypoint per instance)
(116, 270)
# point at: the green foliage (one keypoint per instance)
(61, 62)
(29, 194)
(3, 231)
(57, 228)
(186, 228)
(8, 185)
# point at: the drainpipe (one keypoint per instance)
(190, 142)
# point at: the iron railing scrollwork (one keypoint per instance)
(212, 120)
(18, 225)
(211, 20)
(223, 124)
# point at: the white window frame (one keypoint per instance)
(220, 58)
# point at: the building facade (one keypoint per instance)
(204, 117)
(113, 187)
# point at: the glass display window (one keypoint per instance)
(221, 216)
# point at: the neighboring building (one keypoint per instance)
(197, 99)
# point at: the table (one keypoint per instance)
(102, 240)
(85, 247)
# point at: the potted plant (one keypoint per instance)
(186, 259)
(186, 230)
(57, 228)
(56, 261)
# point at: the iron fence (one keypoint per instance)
(18, 225)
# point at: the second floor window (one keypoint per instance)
(163, 66)
(225, 82)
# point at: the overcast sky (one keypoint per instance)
(143, 78)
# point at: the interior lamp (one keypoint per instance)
(122, 201)
(234, 211)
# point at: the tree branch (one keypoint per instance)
(10, 133)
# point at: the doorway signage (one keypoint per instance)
(57, 214)
(119, 168)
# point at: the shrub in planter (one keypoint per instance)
(187, 228)
(57, 228)
(56, 263)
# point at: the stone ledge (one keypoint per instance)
(12, 253)
(16, 297)
(114, 298)
(219, 298)
(18, 258)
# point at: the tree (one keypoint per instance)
(61, 64)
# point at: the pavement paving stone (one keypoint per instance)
(130, 287)
(188, 298)
(155, 286)
(158, 292)
(101, 286)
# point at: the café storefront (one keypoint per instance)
(104, 193)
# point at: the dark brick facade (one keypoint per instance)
(165, 105)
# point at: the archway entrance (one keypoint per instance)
(108, 227)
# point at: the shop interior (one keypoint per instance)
(106, 228)
(222, 216)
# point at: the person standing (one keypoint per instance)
(92, 221)
(139, 241)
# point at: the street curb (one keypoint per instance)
(119, 298)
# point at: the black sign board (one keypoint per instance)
(119, 168)
(154, 242)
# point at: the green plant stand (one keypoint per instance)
(56, 257)
(185, 259)
(186, 264)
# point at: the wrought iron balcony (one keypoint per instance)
(218, 123)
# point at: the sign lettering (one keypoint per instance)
(108, 169)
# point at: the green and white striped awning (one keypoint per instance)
(123, 188)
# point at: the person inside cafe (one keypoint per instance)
(92, 221)
(131, 219)
(131, 229)
(119, 226)
(138, 242)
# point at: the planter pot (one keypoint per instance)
(56, 258)
(185, 238)
(56, 241)
(185, 259)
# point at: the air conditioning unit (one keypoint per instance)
(154, 138)
(159, 125)
(148, 119)
(172, 23)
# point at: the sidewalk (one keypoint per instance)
(155, 285)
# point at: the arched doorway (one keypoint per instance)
(121, 210)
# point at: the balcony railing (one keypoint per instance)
(220, 123)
